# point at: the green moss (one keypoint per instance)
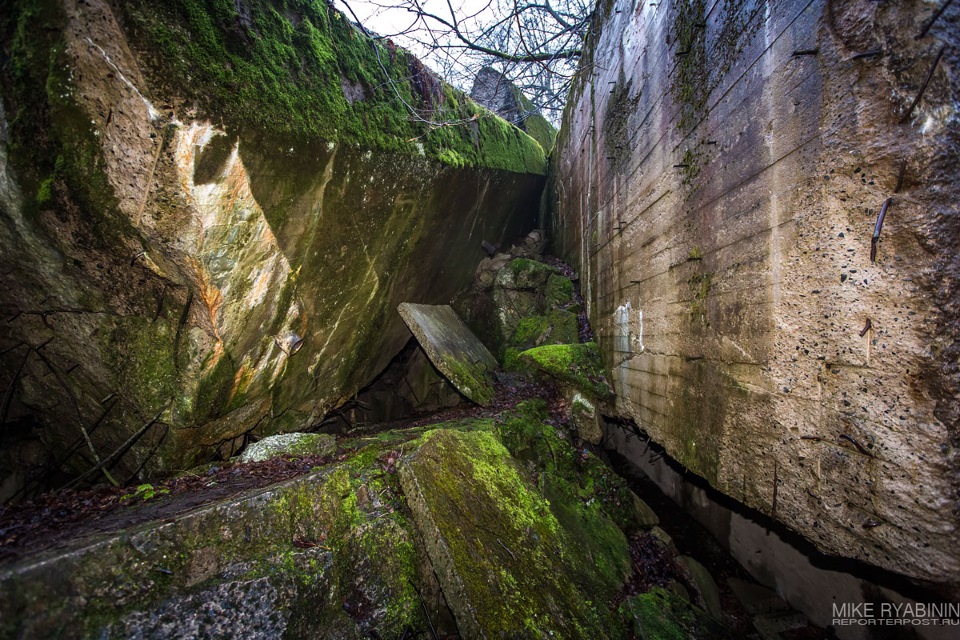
(530, 274)
(472, 380)
(44, 192)
(145, 364)
(557, 327)
(535, 124)
(582, 478)
(661, 615)
(511, 360)
(690, 81)
(282, 68)
(522, 569)
(695, 254)
(214, 395)
(578, 365)
(559, 292)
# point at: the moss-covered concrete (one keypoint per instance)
(510, 560)
(328, 551)
(193, 185)
(453, 349)
(578, 365)
(302, 68)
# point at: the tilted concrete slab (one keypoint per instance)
(452, 348)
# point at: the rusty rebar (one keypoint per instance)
(923, 87)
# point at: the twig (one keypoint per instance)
(507, 550)
(166, 432)
(184, 316)
(122, 449)
(867, 54)
(72, 449)
(76, 408)
(13, 348)
(8, 395)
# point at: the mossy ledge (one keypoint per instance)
(301, 68)
(513, 561)
(579, 365)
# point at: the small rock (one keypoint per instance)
(586, 419)
(290, 444)
(645, 516)
(705, 585)
(664, 537)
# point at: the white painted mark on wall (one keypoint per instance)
(627, 341)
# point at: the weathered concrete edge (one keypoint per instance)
(441, 557)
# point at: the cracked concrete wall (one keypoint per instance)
(718, 180)
(183, 282)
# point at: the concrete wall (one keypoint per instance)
(718, 180)
(810, 584)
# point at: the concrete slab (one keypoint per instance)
(452, 348)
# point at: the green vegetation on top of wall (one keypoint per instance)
(300, 68)
(538, 127)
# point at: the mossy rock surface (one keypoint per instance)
(557, 327)
(578, 482)
(578, 365)
(302, 68)
(509, 565)
(524, 273)
(324, 554)
(661, 615)
(559, 292)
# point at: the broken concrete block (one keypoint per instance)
(452, 348)
(505, 556)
